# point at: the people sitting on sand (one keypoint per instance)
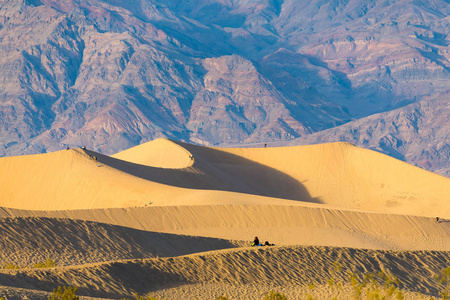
(256, 242)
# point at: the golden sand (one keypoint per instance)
(166, 199)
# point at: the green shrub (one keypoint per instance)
(148, 297)
(272, 295)
(10, 266)
(444, 279)
(47, 264)
(65, 293)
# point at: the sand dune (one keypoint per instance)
(337, 174)
(319, 204)
(66, 179)
(282, 225)
(160, 153)
(28, 241)
(274, 266)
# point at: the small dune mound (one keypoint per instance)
(160, 153)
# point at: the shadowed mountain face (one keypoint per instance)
(111, 74)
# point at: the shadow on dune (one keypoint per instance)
(219, 170)
(68, 241)
(280, 266)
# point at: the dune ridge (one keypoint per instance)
(336, 174)
(346, 176)
(275, 266)
(159, 153)
(28, 241)
(282, 225)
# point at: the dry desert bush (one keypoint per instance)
(49, 263)
(370, 286)
(272, 295)
(64, 293)
(9, 266)
(148, 297)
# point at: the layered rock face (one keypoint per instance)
(111, 74)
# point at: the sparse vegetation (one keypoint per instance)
(64, 293)
(10, 266)
(376, 285)
(272, 295)
(444, 279)
(47, 264)
(371, 286)
(148, 297)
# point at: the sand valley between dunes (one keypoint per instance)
(177, 220)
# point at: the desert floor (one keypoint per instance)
(177, 221)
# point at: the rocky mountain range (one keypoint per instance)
(111, 74)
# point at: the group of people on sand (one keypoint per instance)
(257, 243)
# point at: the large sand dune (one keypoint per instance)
(337, 174)
(168, 198)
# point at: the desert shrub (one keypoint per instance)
(444, 280)
(10, 266)
(222, 298)
(65, 293)
(311, 287)
(371, 286)
(47, 264)
(377, 286)
(148, 297)
(272, 295)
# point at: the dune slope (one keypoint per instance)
(157, 202)
(338, 175)
(282, 225)
(276, 266)
(28, 241)
(66, 179)
(160, 153)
